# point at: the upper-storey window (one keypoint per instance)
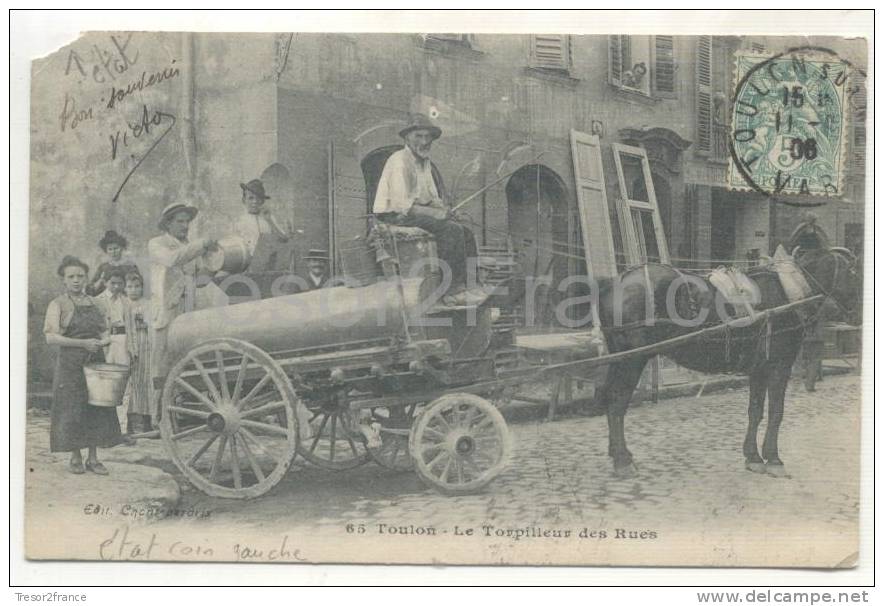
(551, 51)
(643, 64)
(712, 78)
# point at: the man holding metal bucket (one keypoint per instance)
(174, 269)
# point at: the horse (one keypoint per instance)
(650, 303)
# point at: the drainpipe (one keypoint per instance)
(188, 111)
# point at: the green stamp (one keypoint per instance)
(788, 124)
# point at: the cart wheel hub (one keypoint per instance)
(464, 445)
(224, 421)
(216, 422)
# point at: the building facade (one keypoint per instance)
(190, 116)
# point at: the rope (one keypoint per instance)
(569, 246)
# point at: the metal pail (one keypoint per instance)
(232, 256)
(106, 384)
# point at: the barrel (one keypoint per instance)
(106, 384)
(322, 317)
(232, 256)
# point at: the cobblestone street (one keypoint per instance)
(692, 498)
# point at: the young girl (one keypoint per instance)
(137, 396)
(113, 300)
(76, 325)
(114, 257)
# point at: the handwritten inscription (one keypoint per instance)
(278, 553)
(103, 64)
(122, 545)
(137, 129)
(71, 116)
(149, 120)
(117, 95)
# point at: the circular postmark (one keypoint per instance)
(791, 114)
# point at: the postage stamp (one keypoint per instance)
(789, 122)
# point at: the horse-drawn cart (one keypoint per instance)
(373, 370)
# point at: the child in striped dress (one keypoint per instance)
(137, 396)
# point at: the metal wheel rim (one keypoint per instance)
(232, 422)
(460, 444)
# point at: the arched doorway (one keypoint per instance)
(537, 218)
(372, 168)
(537, 222)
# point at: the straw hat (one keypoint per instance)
(420, 122)
(173, 208)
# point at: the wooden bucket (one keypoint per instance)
(232, 256)
(106, 384)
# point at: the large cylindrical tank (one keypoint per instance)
(322, 317)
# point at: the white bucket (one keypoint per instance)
(106, 384)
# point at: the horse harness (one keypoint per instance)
(731, 334)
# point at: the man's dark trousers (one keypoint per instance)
(455, 243)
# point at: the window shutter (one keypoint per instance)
(551, 51)
(615, 60)
(858, 118)
(592, 204)
(704, 94)
(664, 65)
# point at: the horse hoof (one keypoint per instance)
(755, 466)
(777, 470)
(625, 472)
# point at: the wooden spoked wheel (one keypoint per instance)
(335, 442)
(459, 444)
(228, 419)
(394, 427)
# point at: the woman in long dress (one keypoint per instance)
(77, 326)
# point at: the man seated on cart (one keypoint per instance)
(407, 196)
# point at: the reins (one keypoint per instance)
(837, 259)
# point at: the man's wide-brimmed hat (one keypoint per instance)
(316, 254)
(256, 187)
(173, 208)
(421, 122)
(112, 237)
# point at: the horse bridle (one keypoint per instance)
(840, 253)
